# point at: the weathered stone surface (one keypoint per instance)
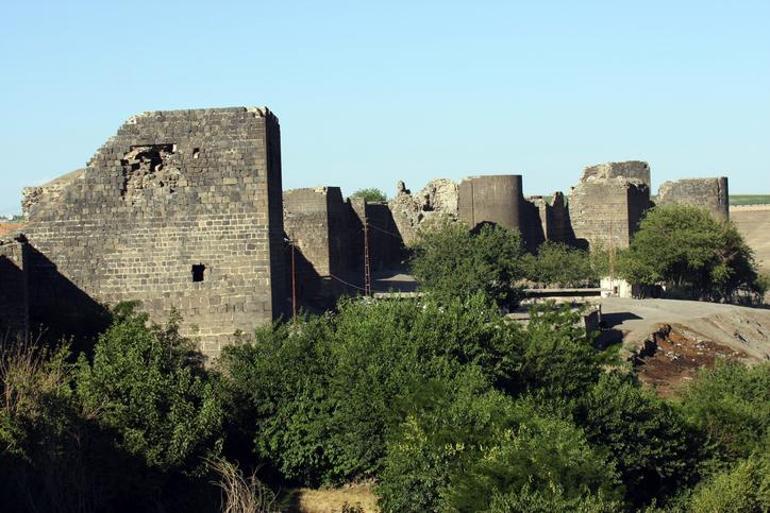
(634, 171)
(554, 218)
(328, 233)
(438, 200)
(709, 193)
(494, 199)
(170, 191)
(605, 208)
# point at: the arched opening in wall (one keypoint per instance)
(198, 271)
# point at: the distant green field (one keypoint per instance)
(749, 199)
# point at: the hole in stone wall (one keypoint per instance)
(197, 272)
(196, 152)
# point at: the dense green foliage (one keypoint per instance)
(744, 488)
(326, 392)
(451, 261)
(371, 195)
(125, 432)
(147, 385)
(693, 254)
(653, 447)
(559, 265)
(442, 401)
(731, 406)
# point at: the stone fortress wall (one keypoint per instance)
(185, 210)
(180, 209)
(709, 193)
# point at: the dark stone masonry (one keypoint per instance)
(184, 210)
(179, 210)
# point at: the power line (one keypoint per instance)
(347, 283)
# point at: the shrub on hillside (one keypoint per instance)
(731, 405)
(558, 359)
(743, 488)
(53, 456)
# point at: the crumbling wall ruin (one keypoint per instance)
(555, 223)
(180, 209)
(317, 222)
(709, 193)
(605, 207)
(635, 171)
(435, 203)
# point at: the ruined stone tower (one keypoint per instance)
(608, 203)
(180, 209)
(709, 193)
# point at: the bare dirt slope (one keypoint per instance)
(753, 222)
(670, 340)
(740, 328)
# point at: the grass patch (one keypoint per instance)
(749, 199)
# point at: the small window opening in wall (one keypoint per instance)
(197, 272)
(196, 152)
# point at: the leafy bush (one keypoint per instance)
(53, 457)
(468, 443)
(146, 384)
(731, 405)
(326, 392)
(650, 442)
(279, 391)
(558, 359)
(741, 489)
(560, 265)
(452, 262)
(690, 251)
(371, 195)
(551, 500)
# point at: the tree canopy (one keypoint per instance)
(451, 261)
(692, 253)
(370, 194)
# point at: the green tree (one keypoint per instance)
(687, 249)
(653, 447)
(731, 405)
(451, 262)
(558, 360)
(148, 386)
(371, 195)
(560, 265)
(467, 444)
(326, 392)
(744, 488)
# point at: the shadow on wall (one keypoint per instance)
(60, 309)
(13, 301)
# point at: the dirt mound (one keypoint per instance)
(672, 355)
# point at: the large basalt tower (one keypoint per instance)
(180, 209)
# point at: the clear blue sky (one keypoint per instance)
(370, 93)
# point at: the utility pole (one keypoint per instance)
(293, 284)
(367, 268)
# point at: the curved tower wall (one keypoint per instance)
(492, 198)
